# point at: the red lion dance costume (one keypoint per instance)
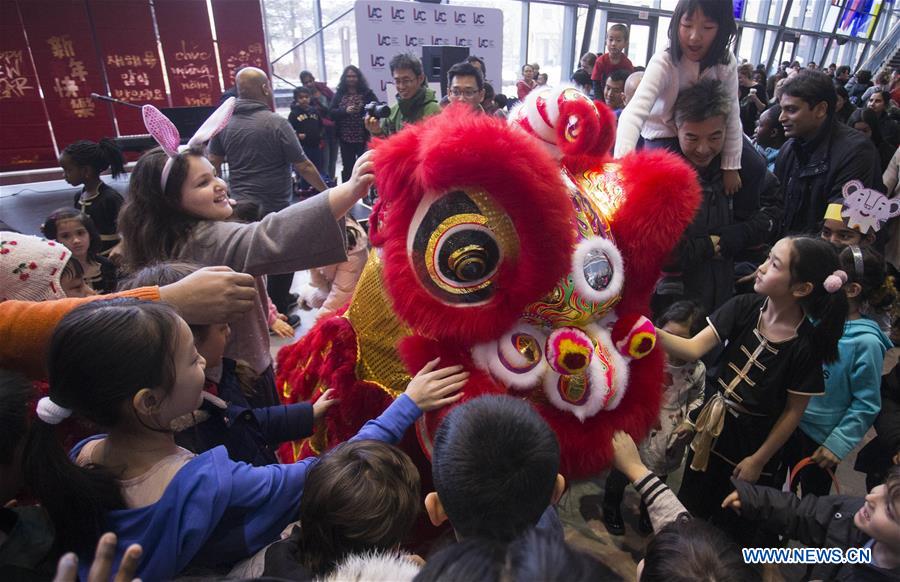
(529, 263)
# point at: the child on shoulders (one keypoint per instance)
(700, 34)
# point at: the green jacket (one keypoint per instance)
(422, 104)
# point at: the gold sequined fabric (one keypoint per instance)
(377, 331)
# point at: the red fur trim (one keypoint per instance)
(460, 148)
(416, 351)
(662, 197)
(596, 132)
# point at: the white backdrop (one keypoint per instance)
(385, 28)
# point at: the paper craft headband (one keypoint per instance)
(166, 134)
(865, 209)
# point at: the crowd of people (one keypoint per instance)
(140, 415)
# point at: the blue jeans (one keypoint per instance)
(315, 156)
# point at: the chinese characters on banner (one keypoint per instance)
(188, 48)
(239, 31)
(66, 50)
(25, 140)
(124, 31)
(60, 38)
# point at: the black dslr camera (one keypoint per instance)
(378, 110)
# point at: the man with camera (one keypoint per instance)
(415, 101)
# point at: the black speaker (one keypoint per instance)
(437, 60)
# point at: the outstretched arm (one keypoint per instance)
(688, 349)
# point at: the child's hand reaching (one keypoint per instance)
(625, 456)
(282, 329)
(731, 179)
(431, 389)
(733, 501)
(321, 406)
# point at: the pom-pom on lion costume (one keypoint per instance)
(522, 252)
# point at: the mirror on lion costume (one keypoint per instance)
(528, 259)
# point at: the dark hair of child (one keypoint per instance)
(97, 156)
(301, 91)
(691, 550)
(152, 221)
(720, 12)
(878, 291)
(73, 269)
(50, 228)
(688, 313)
(494, 464)
(812, 261)
(100, 356)
(619, 28)
(361, 496)
(168, 272)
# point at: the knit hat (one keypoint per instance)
(31, 267)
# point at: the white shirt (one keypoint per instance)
(650, 111)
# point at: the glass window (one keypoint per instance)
(662, 34)
(804, 50)
(745, 48)
(831, 17)
(287, 23)
(580, 22)
(777, 10)
(753, 11)
(340, 39)
(545, 21)
(767, 50)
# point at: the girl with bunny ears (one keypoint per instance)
(177, 209)
(770, 366)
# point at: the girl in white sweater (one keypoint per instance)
(700, 36)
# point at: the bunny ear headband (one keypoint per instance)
(166, 134)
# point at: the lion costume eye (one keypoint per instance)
(597, 269)
(456, 245)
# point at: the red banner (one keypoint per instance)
(188, 48)
(127, 42)
(239, 31)
(65, 57)
(25, 140)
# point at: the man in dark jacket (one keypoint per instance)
(725, 228)
(821, 154)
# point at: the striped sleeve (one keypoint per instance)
(662, 505)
